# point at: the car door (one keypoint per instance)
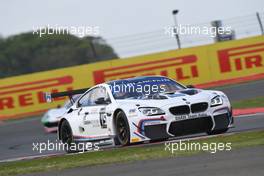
(92, 112)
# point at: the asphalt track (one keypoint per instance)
(17, 137)
(243, 91)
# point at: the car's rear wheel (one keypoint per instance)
(220, 131)
(66, 136)
(122, 130)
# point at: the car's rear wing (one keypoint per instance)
(49, 96)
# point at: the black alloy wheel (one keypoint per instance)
(122, 130)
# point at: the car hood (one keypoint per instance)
(187, 96)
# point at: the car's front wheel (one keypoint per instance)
(122, 130)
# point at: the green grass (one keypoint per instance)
(122, 155)
(249, 103)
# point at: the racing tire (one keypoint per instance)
(66, 136)
(214, 132)
(122, 130)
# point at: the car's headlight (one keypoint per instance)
(150, 111)
(216, 101)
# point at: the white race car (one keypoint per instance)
(144, 109)
(51, 118)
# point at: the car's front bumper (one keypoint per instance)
(51, 127)
(162, 128)
(51, 124)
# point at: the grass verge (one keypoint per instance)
(249, 103)
(121, 155)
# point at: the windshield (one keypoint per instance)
(145, 87)
(69, 103)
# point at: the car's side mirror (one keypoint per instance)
(69, 111)
(102, 101)
(190, 86)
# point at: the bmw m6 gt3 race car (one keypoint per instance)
(144, 109)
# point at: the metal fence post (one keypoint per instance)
(260, 23)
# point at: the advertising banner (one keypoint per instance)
(213, 65)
